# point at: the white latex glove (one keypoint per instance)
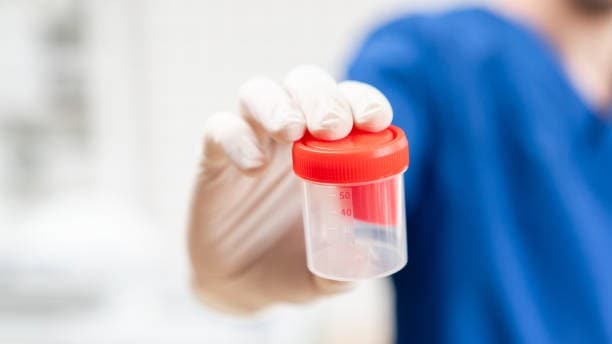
(246, 240)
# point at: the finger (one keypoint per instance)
(264, 102)
(371, 109)
(327, 112)
(228, 137)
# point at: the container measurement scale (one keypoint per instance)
(354, 216)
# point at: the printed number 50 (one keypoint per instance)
(345, 195)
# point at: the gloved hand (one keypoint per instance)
(246, 240)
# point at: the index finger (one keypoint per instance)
(264, 103)
(327, 112)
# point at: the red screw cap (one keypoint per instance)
(360, 157)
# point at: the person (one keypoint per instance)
(509, 191)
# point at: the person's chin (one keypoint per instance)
(595, 7)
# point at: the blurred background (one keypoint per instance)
(101, 110)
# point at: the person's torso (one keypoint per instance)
(511, 238)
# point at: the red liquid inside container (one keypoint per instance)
(376, 203)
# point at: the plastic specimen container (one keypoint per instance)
(354, 214)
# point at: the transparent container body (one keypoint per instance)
(355, 231)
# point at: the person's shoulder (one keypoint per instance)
(468, 32)
(441, 48)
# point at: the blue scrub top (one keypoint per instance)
(509, 190)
